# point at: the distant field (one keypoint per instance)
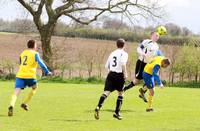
(77, 51)
(6, 33)
(69, 107)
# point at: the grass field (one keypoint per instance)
(69, 107)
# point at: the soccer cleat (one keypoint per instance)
(142, 95)
(149, 110)
(96, 113)
(10, 111)
(24, 106)
(117, 115)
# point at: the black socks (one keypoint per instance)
(130, 85)
(118, 104)
(101, 100)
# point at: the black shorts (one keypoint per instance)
(114, 81)
(139, 69)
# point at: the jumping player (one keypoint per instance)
(147, 50)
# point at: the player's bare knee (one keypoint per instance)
(120, 93)
(34, 87)
(151, 92)
(135, 81)
(106, 93)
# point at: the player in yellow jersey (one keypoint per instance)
(26, 75)
(150, 75)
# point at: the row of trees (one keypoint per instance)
(28, 26)
(185, 63)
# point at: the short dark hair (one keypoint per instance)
(152, 32)
(31, 44)
(166, 61)
(120, 43)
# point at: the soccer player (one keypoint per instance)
(116, 64)
(150, 74)
(147, 50)
(26, 75)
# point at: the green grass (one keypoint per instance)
(69, 107)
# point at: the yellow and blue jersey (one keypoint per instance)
(29, 60)
(150, 66)
(150, 72)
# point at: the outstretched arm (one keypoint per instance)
(41, 64)
(156, 77)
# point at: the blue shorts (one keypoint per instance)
(149, 80)
(23, 83)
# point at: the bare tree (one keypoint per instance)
(100, 57)
(81, 11)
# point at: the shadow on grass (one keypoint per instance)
(71, 120)
(110, 110)
(3, 115)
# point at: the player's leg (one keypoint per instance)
(138, 75)
(102, 98)
(131, 84)
(150, 100)
(19, 83)
(100, 103)
(142, 92)
(108, 88)
(118, 106)
(33, 84)
(150, 85)
(13, 101)
(119, 82)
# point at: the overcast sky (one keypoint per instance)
(184, 13)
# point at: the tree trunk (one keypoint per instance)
(70, 74)
(90, 68)
(80, 73)
(46, 34)
(172, 78)
(169, 77)
(196, 74)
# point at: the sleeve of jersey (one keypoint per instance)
(124, 59)
(107, 65)
(41, 64)
(159, 53)
(156, 77)
(140, 49)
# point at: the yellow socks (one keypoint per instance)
(13, 100)
(150, 101)
(30, 95)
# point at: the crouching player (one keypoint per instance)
(26, 76)
(150, 75)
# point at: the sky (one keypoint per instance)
(184, 13)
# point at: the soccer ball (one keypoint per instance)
(161, 30)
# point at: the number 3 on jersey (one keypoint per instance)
(114, 61)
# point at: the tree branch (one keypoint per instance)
(40, 7)
(85, 22)
(27, 6)
(49, 9)
(59, 10)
